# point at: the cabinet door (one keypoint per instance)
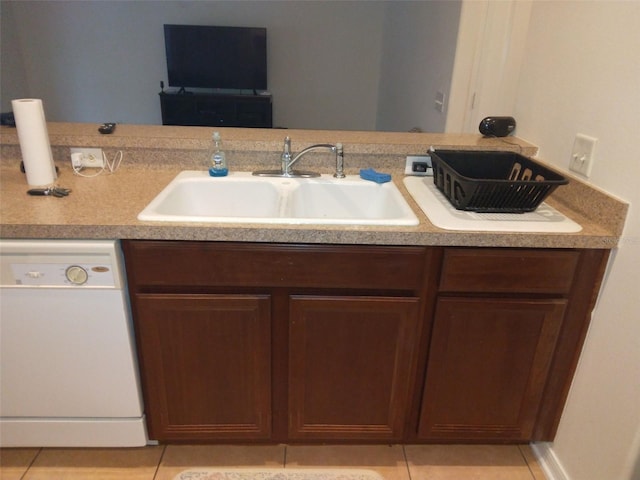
(487, 369)
(350, 363)
(178, 110)
(205, 362)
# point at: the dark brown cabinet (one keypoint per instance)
(355, 343)
(507, 330)
(488, 364)
(350, 365)
(210, 110)
(276, 342)
(208, 359)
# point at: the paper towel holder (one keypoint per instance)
(24, 171)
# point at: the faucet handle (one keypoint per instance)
(285, 158)
(339, 161)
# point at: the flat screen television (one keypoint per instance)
(216, 57)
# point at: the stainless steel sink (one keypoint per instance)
(194, 196)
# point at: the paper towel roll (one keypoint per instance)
(34, 141)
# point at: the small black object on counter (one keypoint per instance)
(49, 191)
(107, 128)
(497, 126)
(7, 118)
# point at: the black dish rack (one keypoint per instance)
(497, 182)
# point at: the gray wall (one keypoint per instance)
(419, 47)
(95, 61)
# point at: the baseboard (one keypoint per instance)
(548, 461)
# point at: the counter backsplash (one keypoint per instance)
(247, 148)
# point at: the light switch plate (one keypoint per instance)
(582, 154)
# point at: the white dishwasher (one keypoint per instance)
(68, 370)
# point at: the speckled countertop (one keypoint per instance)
(106, 206)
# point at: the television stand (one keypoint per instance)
(216, 110)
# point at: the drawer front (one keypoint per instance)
(508, 270)
(169, 263)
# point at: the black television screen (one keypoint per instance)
(216, 57)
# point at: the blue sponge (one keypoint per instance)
(372, 175)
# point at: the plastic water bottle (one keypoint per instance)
(218, 167)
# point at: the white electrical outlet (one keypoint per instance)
(582, 155)
(87, 157)
(439, 101)
(418, 165)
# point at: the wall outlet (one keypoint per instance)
(582, 155)
(87, 158)
(438, 102)
(418, 165)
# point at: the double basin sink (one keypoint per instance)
(240, 197)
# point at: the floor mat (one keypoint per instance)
(276, 474)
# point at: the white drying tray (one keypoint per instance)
(442, 214)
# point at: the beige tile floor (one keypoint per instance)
(394, 462)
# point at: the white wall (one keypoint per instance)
(581, 74)
(95, 61)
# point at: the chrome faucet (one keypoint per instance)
(288, 160)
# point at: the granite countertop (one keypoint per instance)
(106, 206)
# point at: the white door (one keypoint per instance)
(489, 53)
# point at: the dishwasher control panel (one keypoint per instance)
(52, 274)
(61, 264)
